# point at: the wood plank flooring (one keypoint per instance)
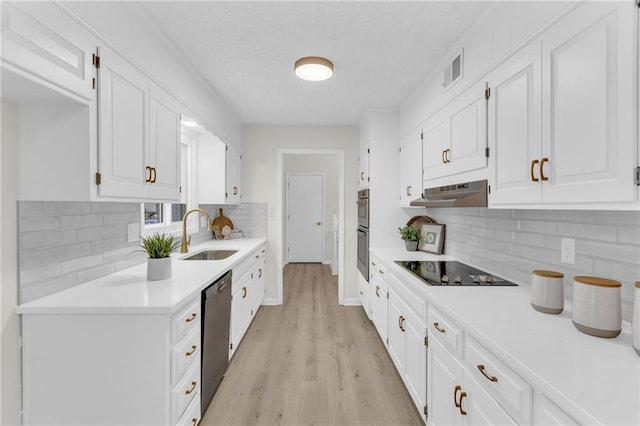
(311, 362)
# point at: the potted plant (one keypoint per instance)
(159, 248)
(411, 237)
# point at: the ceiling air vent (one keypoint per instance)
(453, 72)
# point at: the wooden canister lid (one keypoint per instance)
(637, 284)
(597, 281)
(548, 274)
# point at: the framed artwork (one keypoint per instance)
(432, 238)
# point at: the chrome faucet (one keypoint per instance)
(184, 248)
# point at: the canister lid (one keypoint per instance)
(597, 281)
(548, 274)
(637, 284)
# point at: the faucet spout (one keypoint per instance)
(184, 247)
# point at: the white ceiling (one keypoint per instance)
(246, 50)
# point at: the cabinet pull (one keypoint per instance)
(192, 317)
(378, 291)
(260, 273)
(448, 157)
(437, 327)
(542, 176)
(195, 421)
(533, 165)
(490, 378)
(152, 175)
(193, 387)
(373, 263)
(361, 175)
(457, 389)
(148, 178)
(462, 396)
(409, 191)
(193, 350)
(444, 151)
(244, 292)
(401, 323)
(235, 190)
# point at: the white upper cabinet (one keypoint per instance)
(233, 175)
(455, 138)
(411, 167)
(210, 167)
(589, 144)
(515, 128)
(139, 134)
(363, 164)
(40, 41)
(562, 114)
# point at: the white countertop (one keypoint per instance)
(596, 380)
(128, 291)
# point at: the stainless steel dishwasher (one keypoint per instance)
(216, 314)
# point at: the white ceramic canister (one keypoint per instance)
(597, 307)
(547, 291)
(635, 325)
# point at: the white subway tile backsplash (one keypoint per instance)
(115, 207)
(65, 208)
(39, 223)
(39, 273)
(96, 272)
(29, 208)
(58, 254)
(95, 234)
(102, 246)
(48, 287)
(512, 243)
(80, 263)
(81, 221)
(30, 258)
(45, 239)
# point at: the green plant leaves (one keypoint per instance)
(159, 245)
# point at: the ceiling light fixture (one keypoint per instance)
(313, 68)
(189, 122)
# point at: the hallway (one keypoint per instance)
(311, 361)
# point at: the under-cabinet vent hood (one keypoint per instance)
(471, 194)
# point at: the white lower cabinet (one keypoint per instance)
(247, 294)
(364, 294)
(107, 369)
(456, 398)
(548, 413)
(379, 298)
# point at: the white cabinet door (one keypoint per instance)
(444, 385)
(123, 128)
(548, 413)
(589, 142)
(234, 175)
(411, 168)
(363, 161)
(436, 142)
(515, 129)
(211, 169)
(364, 295)
(415, 375)
(468, 124)
(397, 339)
(258, 285)
(380, 306)
(164, 145)
(40, 40)
(240, 311)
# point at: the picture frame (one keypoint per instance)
(432, 238)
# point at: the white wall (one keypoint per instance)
(329, 165)
(10, 355)
(128, 29)
(260, 146)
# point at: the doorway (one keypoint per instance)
(305, 199)
(306, 161)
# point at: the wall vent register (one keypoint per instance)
(453, 274)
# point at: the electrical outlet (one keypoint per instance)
(568, 250)
(133, 232)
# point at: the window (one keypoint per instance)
(167, 217)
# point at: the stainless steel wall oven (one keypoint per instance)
(363, 232)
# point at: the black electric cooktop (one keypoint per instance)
(453, 274)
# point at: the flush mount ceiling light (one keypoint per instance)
(313, 68)
(189, 122)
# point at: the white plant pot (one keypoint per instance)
(158, 269)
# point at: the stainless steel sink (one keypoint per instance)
(210, 255)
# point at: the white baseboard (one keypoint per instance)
(270, 302)
(351, 302)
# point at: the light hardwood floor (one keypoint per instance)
(311, 362)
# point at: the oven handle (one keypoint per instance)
(359, 202)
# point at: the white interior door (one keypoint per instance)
(305, 212)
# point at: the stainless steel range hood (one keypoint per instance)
(471, 194)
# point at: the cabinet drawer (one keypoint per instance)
(184, 354)
(183, 393)
(191, 416)
(185, 320)
(376, 267)
(446, 330)
(548, 413)
(509, 389)
(416, 302)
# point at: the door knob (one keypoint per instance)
(318, 223)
